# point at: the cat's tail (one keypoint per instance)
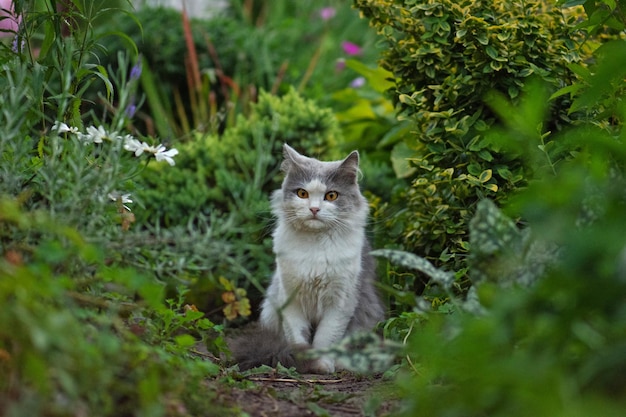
(256, 346)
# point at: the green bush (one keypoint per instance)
(446, 58)
(237, 170)
(549, 336)
(542, 331)
(246, 48)
(550, 339)
(100, 339)
(218, 193)
(80, 331)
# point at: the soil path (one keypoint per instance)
(343, 395)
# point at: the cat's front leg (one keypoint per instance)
(330, 330)
(295, 326)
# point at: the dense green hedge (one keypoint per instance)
(447, 57)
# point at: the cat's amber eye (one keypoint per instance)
(302, 193)
(331, 196)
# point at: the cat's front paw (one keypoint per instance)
(323, 366)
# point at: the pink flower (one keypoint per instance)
(8, 20)
(351, 48)
(327, 13)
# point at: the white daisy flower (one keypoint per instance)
(96, 135)
(122, 198)
(162, 154)
(133, 145)
(61, 127)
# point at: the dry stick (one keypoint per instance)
(180, 109)
(190, 85)
(408, 358)
(297, 381)
(199, 106)
(97, 302)
(279, 77)
(310, 68)
(205, 355)
(191, 50)
(219, 70)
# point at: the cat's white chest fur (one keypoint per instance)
(319, 272)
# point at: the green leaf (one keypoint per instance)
(610, 70)
(571, 3)
(378, 78)
(104, 76)
(485, 176)
(491, 187)
(491, 51)
(400, 156)
(48, 39)
(412, 261)
(486, 155)
(228, 286)
(153, 97)
(128, 41)
(570, 89)
(185, 341)
(152, 294)
(580, 70)
(317, 410)
(406, 99)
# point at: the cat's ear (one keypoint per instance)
(350, 167)
(292, 157)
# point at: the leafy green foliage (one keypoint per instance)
(446, 56)
(205, 81)
(236, 171)
(551, 337)
(552, 348)
(53, 320)
(502, 253)
(364, 353)
(218, 193)
(80, 331)
(101, 310)
(368, 121)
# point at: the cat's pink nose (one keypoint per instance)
(314, 210)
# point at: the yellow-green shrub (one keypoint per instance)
(447, 56)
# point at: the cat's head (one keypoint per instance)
(317, 195)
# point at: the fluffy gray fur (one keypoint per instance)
(323, 287)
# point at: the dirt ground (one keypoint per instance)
(341, 395)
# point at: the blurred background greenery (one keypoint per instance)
(493, 158)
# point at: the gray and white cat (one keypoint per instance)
(323, 285)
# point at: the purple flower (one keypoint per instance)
(131, 110)
(135, 71)
(351, 48)
(357, 82)
(327, 13)
(16, 45)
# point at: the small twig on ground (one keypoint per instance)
(205, 355)
(293, 380)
